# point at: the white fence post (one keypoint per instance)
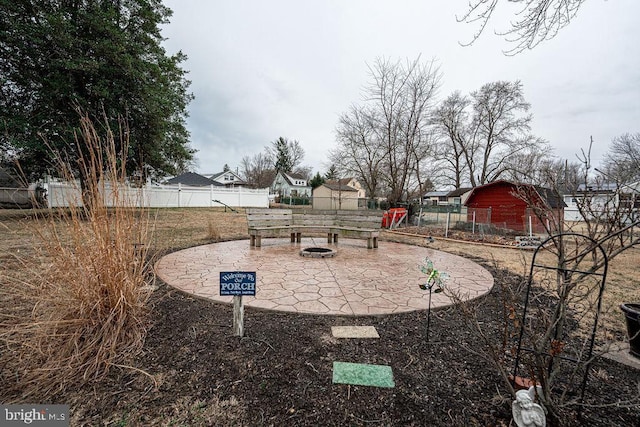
(473, 223)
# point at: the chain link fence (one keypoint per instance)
(443, 220)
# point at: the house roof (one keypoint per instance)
(289, 176)
(603, 187)
(436, 194)
(459, 191)
(453, 193)
(294, 175)
(553, 199)
(215, 176)
(193, 179)
(344, 181)
(335, 186)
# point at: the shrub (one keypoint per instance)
(81, 307)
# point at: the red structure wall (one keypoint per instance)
(507, 210)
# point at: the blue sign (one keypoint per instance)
(237, 283)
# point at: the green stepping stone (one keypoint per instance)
(363, 374)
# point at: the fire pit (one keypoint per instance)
(317, 252)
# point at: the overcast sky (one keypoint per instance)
(264, 69)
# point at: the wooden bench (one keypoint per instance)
(269, 223)
(295, 223)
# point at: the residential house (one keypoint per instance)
(453, 199)
(595, 199)
(290, 185)
(354, 183)
(513, 206)
(435, 198)
(335, 195)
(227, 178)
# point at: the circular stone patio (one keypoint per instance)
(356, 281)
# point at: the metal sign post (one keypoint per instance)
(237, 284)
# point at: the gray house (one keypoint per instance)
(290, 185)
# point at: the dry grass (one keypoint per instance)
(74, 284)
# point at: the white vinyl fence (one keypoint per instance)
(61, 194)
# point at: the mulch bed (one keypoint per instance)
(280, 373)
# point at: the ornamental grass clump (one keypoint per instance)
(79, 307)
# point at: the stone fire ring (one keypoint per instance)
(318, 252)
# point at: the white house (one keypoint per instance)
(290, 185)
(227, 178)
(596, 199)
(447, 198)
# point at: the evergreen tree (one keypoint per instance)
(316, 181)
(282, 156)
(332, 173)
(99, 57)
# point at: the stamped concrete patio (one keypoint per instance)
(356, 281)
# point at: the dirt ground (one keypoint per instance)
(194, 372)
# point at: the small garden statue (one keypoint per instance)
(527, 413)
(435, 279)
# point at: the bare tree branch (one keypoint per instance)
(536, 21)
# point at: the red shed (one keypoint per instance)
(509, 205)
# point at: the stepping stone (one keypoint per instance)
(363, 374)
(354, 332)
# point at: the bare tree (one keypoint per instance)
(258, 170)
(387, 140)
(487, 135)
(358, 152)
(403, 96)
(553, 342)
(451, 119)
(606, 230)
(537, 20)
(304, 171)
(535, 167)
(623, 160)
(500, 129)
